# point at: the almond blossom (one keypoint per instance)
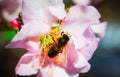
(46, 25)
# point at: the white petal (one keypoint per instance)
(54, 71)
(76, 31)
(99, 28)
(82, 2)
(83, 14)
(57, 8)
(26, 70)
(82, 64)
(26, 34)
(89, 49)
(42, 10)
(28, 64)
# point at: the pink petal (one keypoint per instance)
(75, 62)
(42, 10)
(83, 14)
(77, 24)
(71, 54)
(89, 49)
(57, 8)
(33, 46)
(61, 72)
(76, 31)
(99, 29)
(54, 71)
(28, 64)
(82, 64)
(89, 35)
(18, 44)
(26, 34)
(91, 45)
(82, 2)
(47, 71)
(36, 28)
(31, 10)
(81, 35)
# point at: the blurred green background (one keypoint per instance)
(105, 61)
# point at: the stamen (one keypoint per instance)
(42, 64)
(57, 61)
(67, 9)
(40, 57)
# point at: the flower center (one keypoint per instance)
(53, 45)
(54, 42)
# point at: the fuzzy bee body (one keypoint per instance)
(63, 41)
(58, 46)
(53, 51)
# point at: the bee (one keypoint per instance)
(58, 46)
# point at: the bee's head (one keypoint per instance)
(65, 36)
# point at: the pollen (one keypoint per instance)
(40, 57)
(67, 9)
(42, 64)
(50, 39)
(57, 61)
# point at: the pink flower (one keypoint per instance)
(17, 23)
(59, 43)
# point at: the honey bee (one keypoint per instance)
(58, 46)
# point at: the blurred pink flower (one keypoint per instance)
(45, 22)
(17, 23)
(9, 9)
